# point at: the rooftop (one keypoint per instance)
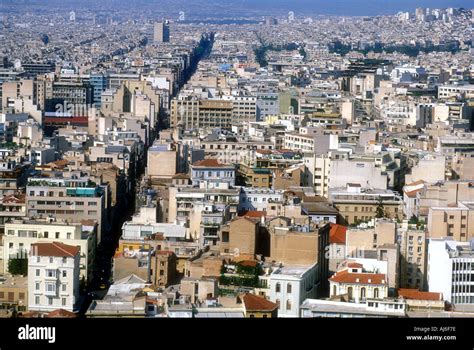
(56, 249)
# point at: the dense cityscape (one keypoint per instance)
(208, 160)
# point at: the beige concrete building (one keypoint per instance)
(463, 166)
(199, 289)
(13, 293)
(430, 170)
(241, 238)
(384, 232)
(163, 161)
(204, 265)
(413, 249)
(356, 204)
(445, 194)
(68, 199)
(453, 221)
(196, 113)
(159, 268)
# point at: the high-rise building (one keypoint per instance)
(162, 32)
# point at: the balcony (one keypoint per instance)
(51, 275)
(51, 289)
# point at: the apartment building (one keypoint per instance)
(413, 247)
(194, 113)
(212, 173)
(453, 221)
(53, 277)
(358, 285)
(356, 204)
(68, 199)
(21, 235)
(450, 265)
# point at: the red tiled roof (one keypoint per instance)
(88, 222)
(254, 214)
(208, 163)
(249, 263)
(181, 176)
(14, 198)
(337, 234)
(61, 313)
(164, 252)
(419, 182)
(415, 294)
(255, 303)
(345, 276)
(355, 265)
(56, 249)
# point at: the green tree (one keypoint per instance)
(380, 211)
(18, 266)
(413, 220)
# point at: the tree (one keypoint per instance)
(380, 211)
(413, 220)
(18, 266)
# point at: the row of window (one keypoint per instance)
(34, 234)
(50, 301)
(65, 212)
(93, 204)
(50, 287)
(50, 272)
(11, 296)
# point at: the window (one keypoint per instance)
(64, 273)
(37, 272)
(46, 234)
(162, 272)
(50, 301)
(37, 286)
(57, 235)
(64, 301)
(225, 237)
(63, 287)
(362, 293)
(50, 287)
(37, 300)
(51, 260)
(376, 293)
(278, 287)
(334, 290)
(288, 288)
(288, 305)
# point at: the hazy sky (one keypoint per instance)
(358, 7)
(333, 7)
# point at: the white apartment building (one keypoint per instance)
(21, 235)
(288, 286)
(358, 285)
(447, 91)
(258, 198)
(53, 277)
(450, 267)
